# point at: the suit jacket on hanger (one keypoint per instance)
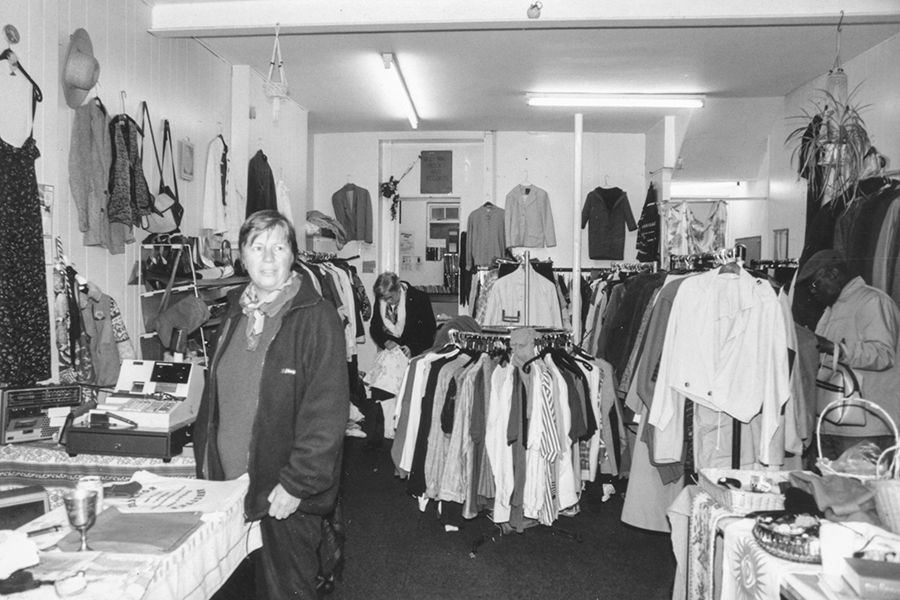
(355, 216)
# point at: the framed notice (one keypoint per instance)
(437, 172)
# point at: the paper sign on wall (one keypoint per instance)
(437, 172)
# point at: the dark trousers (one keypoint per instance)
(287, 564)
(373, 424)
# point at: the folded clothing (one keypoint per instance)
(135, 533)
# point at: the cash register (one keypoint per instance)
(149, 413)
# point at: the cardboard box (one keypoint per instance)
(873, 580)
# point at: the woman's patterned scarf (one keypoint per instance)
(258, 307)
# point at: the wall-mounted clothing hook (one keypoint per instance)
(122, 96)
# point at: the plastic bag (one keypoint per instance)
(861, 459)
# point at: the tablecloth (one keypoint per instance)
(751, 573)
(193, 571)
(48, 464)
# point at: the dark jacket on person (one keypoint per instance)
(304, 403)
(418, 333)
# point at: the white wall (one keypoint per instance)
(178, 78)
(877, 72)
(608, 160)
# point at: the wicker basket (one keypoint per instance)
(887, 490)
(742, 502)
(824, 464)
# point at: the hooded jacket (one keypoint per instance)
(304, 402)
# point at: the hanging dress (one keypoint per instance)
(24, 309)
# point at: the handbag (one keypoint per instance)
(836, 382)
(166, 213)
(187, 314)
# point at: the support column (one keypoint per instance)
(575, 291)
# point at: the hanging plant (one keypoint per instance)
(833, 141)
(389, 191)
(389, 188)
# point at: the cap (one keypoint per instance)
(820, 260)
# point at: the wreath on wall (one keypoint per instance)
(389, 188)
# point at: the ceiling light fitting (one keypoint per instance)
(616, 100)
(393, 72)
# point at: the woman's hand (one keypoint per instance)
(390, 345)
(405, 350)
(281, 503)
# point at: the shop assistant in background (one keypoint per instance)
(353, 210)
(276, 406)
(403, 317)
(862, 324)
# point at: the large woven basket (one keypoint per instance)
(742, 501)
(825, 465)
(887, 489)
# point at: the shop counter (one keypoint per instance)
(47, 464)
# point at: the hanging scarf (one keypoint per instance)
(257, 307)
(395, 328)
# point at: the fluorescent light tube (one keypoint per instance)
(393, 72)
(616, 100)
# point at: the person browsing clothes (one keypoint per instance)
(862, 324)
(276, 405)
(403, 320)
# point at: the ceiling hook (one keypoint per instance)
(841, 22)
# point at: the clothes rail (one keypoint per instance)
(708, 260)
(774, 264)
(499, 339)
(634, 267)
(313, 256)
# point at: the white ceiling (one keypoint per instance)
(468, 66)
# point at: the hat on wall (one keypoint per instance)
(80, 70)
(820, 260)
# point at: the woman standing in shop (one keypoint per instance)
(275, 406)
(403, 319)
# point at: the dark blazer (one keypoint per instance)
(356, 221)
(418, 333)
(304, 402)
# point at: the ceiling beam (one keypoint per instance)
(213, 18)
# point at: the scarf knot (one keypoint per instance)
(258, 305)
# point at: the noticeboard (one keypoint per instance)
(437, 172)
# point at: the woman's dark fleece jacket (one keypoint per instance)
(298, 432)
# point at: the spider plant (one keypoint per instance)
(832, 143)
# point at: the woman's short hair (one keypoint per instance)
(263, 221)
(387, 282)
